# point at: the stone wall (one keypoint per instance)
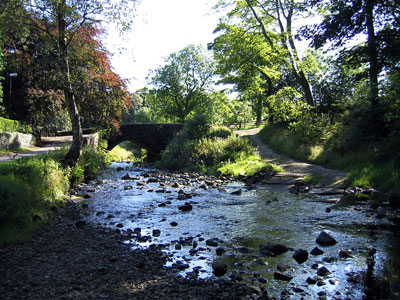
(91, 140)
(13, 140)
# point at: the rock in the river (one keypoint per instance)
(238, 192)
(310, 280)
(282, 276)
(127, 177)
(156, 232)
(212, 242)
(316, 251)
(244, 250)
(324, 239)
(345, 254)
(300, 256)
(173, 224)
(186, 207)
(323, 271)
(273, 249)
(219, 269)
(219, 251)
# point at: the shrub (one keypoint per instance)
(28, 188)
(9, 125)
(197, 127)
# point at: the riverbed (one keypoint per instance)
(203, 221)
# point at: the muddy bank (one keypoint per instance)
(72, 259)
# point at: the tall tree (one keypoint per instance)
(345, 20)
(276, 15)
(181, 85)
(61, 20)
(246, 60)
(101, 94)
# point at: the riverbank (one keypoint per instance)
(73, 259)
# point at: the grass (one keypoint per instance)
(31, 186)
(17, 150)
(215, 150)
(247, 166)
(366, 169)
(119, 154)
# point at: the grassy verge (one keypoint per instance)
(366, 166)
(214, 150)
(30, 187)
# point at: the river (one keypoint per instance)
(236, 219)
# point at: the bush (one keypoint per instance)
(9, 125)
(28, 188)
(206, 154)
(197, 127)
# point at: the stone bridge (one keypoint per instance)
(153, 137)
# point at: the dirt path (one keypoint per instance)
(49, 144)
(296, 170)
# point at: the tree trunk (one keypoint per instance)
(77, 139)
(372, 53)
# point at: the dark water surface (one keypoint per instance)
(241, 223)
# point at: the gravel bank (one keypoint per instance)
(70, 259)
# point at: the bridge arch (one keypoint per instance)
(153, 137)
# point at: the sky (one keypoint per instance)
(160, 28)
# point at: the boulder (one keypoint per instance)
(323, 271)
(186, 207)
(282, 276)
(300, 256)
(219, 251)
(316, 251)
(238, 192)
(273, 249)
(324, 239)
(212, 242)
(219, 269)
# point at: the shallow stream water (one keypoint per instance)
(148, 206)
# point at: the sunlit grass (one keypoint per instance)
(17, 150)
(247, 166)
(119, 154)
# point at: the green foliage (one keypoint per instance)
(220, 131)
(122, 153)
(28, 188)
(247, 165)
(286, 106)
(197, 127)
(180, 86)
(9, 125)
(209, 151)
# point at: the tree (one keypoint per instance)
(180, 86)
(246, 60)
(60, 21)
(346, 20)
(276, 15)
(39, 99)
